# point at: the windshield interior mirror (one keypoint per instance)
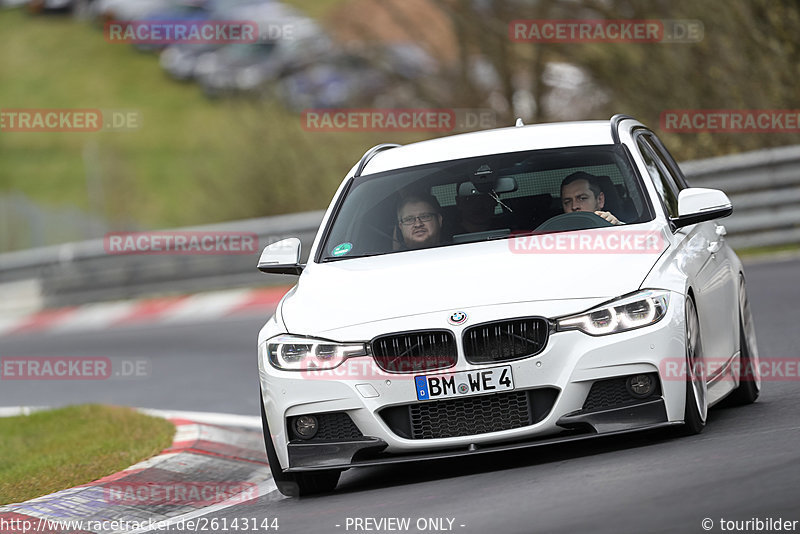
(282, 257)
(504, 184)
(697, 204)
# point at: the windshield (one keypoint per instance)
(487, 197)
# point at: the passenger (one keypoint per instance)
(420, 221)
(476, 213)
(580, 191)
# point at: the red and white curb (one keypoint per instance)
(168, 310)
(203, 455)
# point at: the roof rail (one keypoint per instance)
(615, 120)
(369, 154)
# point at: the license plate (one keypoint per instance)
(431, 387)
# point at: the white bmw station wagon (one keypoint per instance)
(499, 290)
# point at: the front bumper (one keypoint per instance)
(569, 366)
(366, 452)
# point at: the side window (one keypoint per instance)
(667, 161)
(661, 178)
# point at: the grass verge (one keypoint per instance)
(58, 449)
(192, 161)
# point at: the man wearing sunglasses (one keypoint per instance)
(420, 221)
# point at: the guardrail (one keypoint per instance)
(77, 273)
(764, 187)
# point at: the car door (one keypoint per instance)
(706, 260)
(724, 305)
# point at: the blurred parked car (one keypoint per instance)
(180, 60)
(343, 80)
(54, 6)
(37, 6)
(127, 10)
(8, 4)
(288, 43)
(375, 77)
(237, 67)
(186, 11)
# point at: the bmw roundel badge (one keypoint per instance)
(457, 318)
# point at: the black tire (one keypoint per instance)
(295, 484)
(748, 389)
(694, 417)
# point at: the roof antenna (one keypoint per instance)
(519, 122)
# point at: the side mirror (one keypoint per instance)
(282, 257)
(697, 205)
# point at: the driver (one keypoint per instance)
(420, 221)
(580, 191)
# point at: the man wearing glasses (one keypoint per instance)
(420, 221)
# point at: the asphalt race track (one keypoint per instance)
(745, 465)
(196, 367)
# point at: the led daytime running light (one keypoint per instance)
(634, 311)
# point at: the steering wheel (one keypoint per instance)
(573, 220)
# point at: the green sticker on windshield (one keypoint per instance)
(341, 250)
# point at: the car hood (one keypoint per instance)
(354, 291)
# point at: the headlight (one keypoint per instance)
(295, 353)
(640, 309)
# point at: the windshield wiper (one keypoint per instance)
(337, 258)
